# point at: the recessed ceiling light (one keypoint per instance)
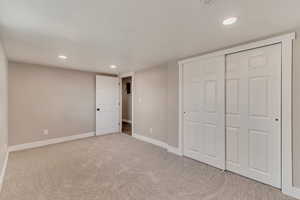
(63, 57)
(113, 66)
(229, 21)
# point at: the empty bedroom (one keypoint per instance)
(149, 100)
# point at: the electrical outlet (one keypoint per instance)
(45, 132)
(150, 130)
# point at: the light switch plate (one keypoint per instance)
(45, 132)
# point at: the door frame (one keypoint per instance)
(286, 42)
(132, 75)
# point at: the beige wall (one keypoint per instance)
(156, 103)
(296, 109)
(126, 100)
(151, 103)
(60, 100)
(3, 106)
(173, 103)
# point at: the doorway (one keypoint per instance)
(127, 105)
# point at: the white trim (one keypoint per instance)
(252, 45)
(174, 150)
(287, 49)
(132, 75)
(129, 74)
(180, 110)
(287, 139)
(158, 143)
(150, 140)
(3, 170)
(294, 192)
(127, 121)
(21, 147)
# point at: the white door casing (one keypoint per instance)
(107, 105)
(204, 110)
(253, 114)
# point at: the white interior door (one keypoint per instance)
(204, 110)
(253, 127)
(107, 105)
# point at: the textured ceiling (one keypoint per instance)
(134, 34)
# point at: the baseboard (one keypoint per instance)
(174, 150)
(161, 144)
(20, 147)
(126, 120)
(3, 169)
(293, 192)
(150, 140)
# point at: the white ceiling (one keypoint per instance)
(134, 34)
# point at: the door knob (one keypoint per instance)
(276, 119)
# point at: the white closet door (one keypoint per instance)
(253, 127)
(204, 110)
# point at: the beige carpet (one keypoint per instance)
(118, 167)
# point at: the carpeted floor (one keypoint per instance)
(119, 167)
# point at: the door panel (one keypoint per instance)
(258, 151)
(258, 96)
(107, 105)
(204, 108)
(232, 142)
(253, 95)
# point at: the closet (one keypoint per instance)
(231, 111)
